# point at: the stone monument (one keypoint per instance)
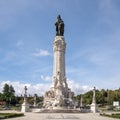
(94, 105)
(59, 96)
(25, 105)
(81, 102)
(35, 101)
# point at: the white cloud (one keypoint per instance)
(40, 88)
(32, 89)
(46, 78)
(77, 88)
(41, 52)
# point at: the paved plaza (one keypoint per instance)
(61, 116)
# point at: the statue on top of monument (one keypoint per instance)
(59, 26)
(25, 88)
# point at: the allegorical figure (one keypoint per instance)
(59, 26)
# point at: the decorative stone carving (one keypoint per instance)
(49, 94)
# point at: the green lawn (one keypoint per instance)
(10, 115)
(115, 115)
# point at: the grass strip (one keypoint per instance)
(115, 115)
(10, 115)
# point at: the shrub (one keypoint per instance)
(10, 115)
(117, 115)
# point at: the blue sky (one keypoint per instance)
(92, 34)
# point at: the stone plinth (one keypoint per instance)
(35, 101)
(25, 106)
(35, 104)
(93, 107)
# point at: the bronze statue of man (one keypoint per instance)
(59, 26)
(25, 88)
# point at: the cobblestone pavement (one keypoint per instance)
(61, 116)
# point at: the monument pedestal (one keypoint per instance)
(94, 107)
(25, 106)
(35, 105)
(58, 108)
(35, 101)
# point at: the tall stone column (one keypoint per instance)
(35, 101)
(59, 47)
(94, 105)
(81, 102)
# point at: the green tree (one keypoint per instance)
(11, 90)
(6, 89)
(87, 97)
(9, 94)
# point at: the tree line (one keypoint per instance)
(8, 97)
(103, 97)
